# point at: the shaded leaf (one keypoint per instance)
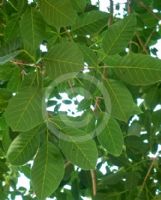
(47, 171)
(57, 13)
(84, 154)
(118, 35)
(63, 58)
(24, 111)
(122, 103)
(32, 31)
(90, 22)
(111, 138)
(136, 69)
(23, 147)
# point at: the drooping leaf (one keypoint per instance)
(47, 171)
(24, 111)
(8, 57)
(111, 138)
(122, 103)
(90, 22)
(136, 69)
(118, 35)
(9, 50)
(57, 13)
(32, 29)
(23, 147)
(84, 154)
(63, 58)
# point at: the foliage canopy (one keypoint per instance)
(100, 64)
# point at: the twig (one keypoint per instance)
(67, 164)
(68, 33)
(141, 44)
(148, 9)
(93, 177)
(149, 38)
(110, 20)
(147, 175)
(129, 10)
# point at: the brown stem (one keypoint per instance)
(94, 186)
(147, 175)
(148, 9)
(149, 38)
(110, 20)
(141, 44)
(129, 10)
(68, 33)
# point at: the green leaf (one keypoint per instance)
(57, 13)
(32, 29)
(10, 50)
(47, 171)
(63, 58)
(118, 35)
(79, 5)
(122, 103)
(136, 69)
(5, 95)
(111, 138)
(84, 154)
(23, 147)
(24, 111)
(5, 71)
(90, 22)
(12, 29)
(8, 57)
(89, 56)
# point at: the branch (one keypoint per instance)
(147, 175)
(148, 9)
(68, 32)
(129, 10)
(141, 44)
(149, 38)
(93, 177)
(110, 20)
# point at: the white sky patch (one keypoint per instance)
(86, 198)
(103, 168)
(105, 4)
(155, 155)
(139, 101)
(30, 1)
(157, 46)
(43, 48)
(158, 107)
(23, 181)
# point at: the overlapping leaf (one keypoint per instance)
(83, 154)
(63, 58)
(57, 13)
(23, 147)
(24, 111)
(79, 5)
(90, 22)
(118, 35)
(122, 103)
(47, 171)
(32, 29)
(89, 56)
(136, 69)
(111, 138)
